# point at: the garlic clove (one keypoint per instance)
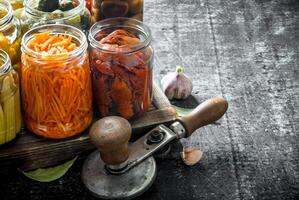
(177, 85)
(169, 85)
(183, 89)
(191, 156)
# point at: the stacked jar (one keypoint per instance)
(10, 110)
(56, 82)
(70, 12)
(102, 9)
(121, 63)
(10, 32)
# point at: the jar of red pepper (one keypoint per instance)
(121, 65)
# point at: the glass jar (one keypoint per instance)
(102, 9)
(79, 16)
(121, 66)
(10, 32)
(10, 108)
(16, 4)
(56, 88)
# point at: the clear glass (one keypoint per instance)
(56, 89)
(79, 16)
(122, 75)
(10, 108)
(10, 32)
(103, 9)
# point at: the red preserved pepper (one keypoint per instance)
(122, 81)
(88, 4)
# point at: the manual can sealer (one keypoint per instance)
(119, 170)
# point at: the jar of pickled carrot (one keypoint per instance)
(56, 82)
(10, 32)
(121, 64)
(70, 12)
(10, 108)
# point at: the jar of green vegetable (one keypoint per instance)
(10, 32)
(40, 12)
(10, 110)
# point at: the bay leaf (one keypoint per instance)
(51, 173)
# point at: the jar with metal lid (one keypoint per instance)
(121, 65)
(56, 81)
(10, 109)
(40, 12)
(10, 32)
(102, 9)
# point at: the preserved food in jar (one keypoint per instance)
(70, 12)
(10, 32)
(16, 4)
(56, 82)
(88, 4)
(10, 108)
(102, 9)
(121, 64)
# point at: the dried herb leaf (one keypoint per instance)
(50, 174)
(182, 111)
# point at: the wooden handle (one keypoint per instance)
(111, 136)
(206, 113)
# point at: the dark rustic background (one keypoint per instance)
(247, 51)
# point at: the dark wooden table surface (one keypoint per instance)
(247, 51)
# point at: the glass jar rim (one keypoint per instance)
(4, 68)
(123, 23)
(9, 16)
(57, 29)
(69, 13)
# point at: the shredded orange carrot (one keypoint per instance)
(56, 94)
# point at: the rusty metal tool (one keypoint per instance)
(119, 170)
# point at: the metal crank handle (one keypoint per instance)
(206, 113)
(115, 156)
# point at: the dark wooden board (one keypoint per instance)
(246, 50)
(30, 151)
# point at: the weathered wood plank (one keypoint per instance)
(257, 51)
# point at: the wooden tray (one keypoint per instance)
(29, 151)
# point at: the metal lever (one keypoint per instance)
(133, 163)
(114, 138)
(209, 111)
(147, 145)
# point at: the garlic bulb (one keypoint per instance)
(176, 85)
(191, 156)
